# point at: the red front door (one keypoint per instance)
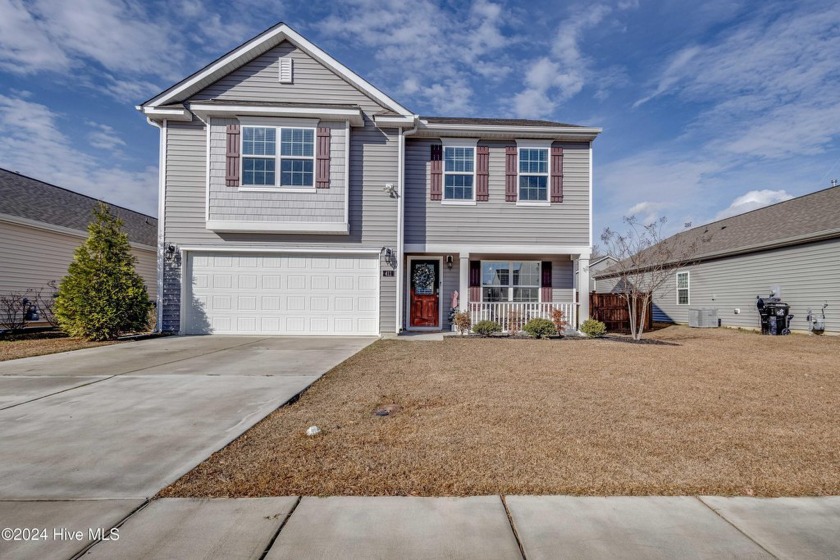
(425, 297)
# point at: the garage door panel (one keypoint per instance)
(278, 294)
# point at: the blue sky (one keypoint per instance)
(708, 108)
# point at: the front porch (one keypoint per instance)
(507, 288)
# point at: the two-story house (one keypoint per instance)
(296, 198)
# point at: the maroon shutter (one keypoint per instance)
(510, 174)
(436, 171)
(475, 281)
(545, 284)
(322, 159)
(232, 159)
(557, 174)
(482, 173)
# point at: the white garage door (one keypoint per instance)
(252, 293)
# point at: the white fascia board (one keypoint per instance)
(531, 143)
(52, 228)
(276, 36)
(353, 116)
(459, 142)
(566, 133)
(172, 114)
(391, 121)
(276, 249)
(227, 226)
(579, 251)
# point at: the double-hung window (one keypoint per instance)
(682, 288)
(269, 163)
(459, 173)
(510, 281)
(533, 173)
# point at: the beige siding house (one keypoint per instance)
(300, 199)
(42, 224)
(792, 247)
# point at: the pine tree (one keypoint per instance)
(102, 295)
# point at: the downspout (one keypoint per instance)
(161, 218)
(400, 226)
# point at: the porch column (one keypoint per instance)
(464, 290)
(583, 289)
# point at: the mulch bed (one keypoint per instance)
(712, 412)
(30, 344)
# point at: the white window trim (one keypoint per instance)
(533, 145)
(511, 286)
(458, 143)
(687, 286)
(278, 159)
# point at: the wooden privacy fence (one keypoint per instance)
(611, 309)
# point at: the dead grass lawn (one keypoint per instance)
(38, 344)
(722, 412)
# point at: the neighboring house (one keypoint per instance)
(300, 199)
(42, 224)
(596, 264)
(792, 247)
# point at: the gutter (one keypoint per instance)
(163, 127)
(401, 226)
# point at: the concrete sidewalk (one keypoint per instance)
(483, 527)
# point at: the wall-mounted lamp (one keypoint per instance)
(449, 262)
(169, 252)
(388, 252)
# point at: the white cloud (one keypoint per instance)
(104, 137)
(32, 142)
(752, 201)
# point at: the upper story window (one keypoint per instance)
(261, 158)
(682, 288)
(533, 174)
(459, 173)
(510, 281)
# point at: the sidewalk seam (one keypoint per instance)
(119, 524)
(280, 528)
(513, 528)
(752, 540)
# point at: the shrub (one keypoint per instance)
(540, 328)
(102, 295)
(559, 320)
(515, 321)
(14, 310)
(462, 322)
(486, 328)
(591, 327)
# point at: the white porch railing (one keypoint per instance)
(512, 316)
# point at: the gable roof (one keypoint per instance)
(33, 200)
(805, 219)
(248, 51)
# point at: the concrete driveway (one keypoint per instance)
(109, 427)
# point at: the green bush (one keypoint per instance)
(102, 295)
(486, 328)
(540, 328)
(591, 327)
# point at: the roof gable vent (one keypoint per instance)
(286, 73)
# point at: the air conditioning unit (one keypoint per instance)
(703, 318)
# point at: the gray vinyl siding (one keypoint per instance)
(373, 214)
(233, 204)
(496, 221)
(47, 256)
(808, 275)
(313, 83)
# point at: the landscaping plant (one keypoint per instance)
(102, 295)
(559, 320)
(540, 328)
(593, 328)
(14, 307)
(462, 322)
(486, 328)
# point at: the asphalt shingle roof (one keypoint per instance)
(25, 197)
(796, 221)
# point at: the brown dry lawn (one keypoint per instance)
(718, 412)
(38, 344)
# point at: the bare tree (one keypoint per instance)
(646, 262)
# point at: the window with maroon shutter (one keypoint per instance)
(545, 284)
(322, 173)
(436, 172)
(510, 174)
(232, 156)
(557, 174)
(482, 174)
(475, 281)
